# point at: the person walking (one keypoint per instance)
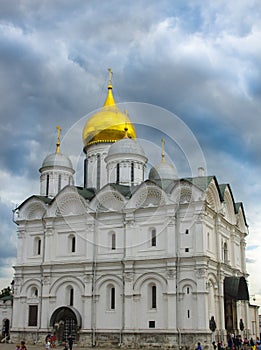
(199, 347)
(70, 342)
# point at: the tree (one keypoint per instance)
(5, 292)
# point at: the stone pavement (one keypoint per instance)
(39, 347)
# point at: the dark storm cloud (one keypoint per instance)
(7, 236)
(199, 61)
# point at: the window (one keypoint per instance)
(187, 290)
(188, 313)
(85, 172)
(186, 250)
(47, 185)
(153, 297)
(113, 241)
(71, 296)
(118, 173)
(187, 231)
(225, 252)
(132, 172)
(33, 312)
(37, 246)
(98, 171)
(73, 244)
(112, 299)
(59, 182)
(153, 238)
(34, 292)
(151, 324)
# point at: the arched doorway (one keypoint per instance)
(235, 288)
(65, 321)
(5, 328)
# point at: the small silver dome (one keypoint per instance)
(57, 160)
(163, 171)
(126, 146)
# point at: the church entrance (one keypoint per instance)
(65, 321)
(235, 288)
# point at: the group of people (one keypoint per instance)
(237, 343)
(50, 342)
(21, 346)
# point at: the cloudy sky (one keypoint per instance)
(199, 60)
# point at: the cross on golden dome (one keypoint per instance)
(107, 125)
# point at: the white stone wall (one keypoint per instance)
(93, 151)
(183, 265)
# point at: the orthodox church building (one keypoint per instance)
(127, 260)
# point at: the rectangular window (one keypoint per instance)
(132, 172)
(39, 247)
(186, 250)
(187, 231)
(151, 324)
(98, 171)
(118, 173)
(33, 312)
(188, 313)
(47, 185)
(85, 172)
(59, 182)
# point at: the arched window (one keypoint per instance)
(153, 238)
(47, 185)
(113, 241)
(73, 244)
(59, 182)
(34, 292)
(111, 297)
(152, 297)
(71, 296)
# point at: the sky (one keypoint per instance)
(196, 62)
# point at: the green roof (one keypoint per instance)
(201, 181)
(86, 193)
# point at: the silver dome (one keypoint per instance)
(126, 146)
(163, 171)
(57, 160)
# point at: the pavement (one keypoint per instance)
(4, 346)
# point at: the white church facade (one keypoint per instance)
(126, 260)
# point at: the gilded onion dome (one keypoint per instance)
(107, 125)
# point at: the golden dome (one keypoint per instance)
(108, 124)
